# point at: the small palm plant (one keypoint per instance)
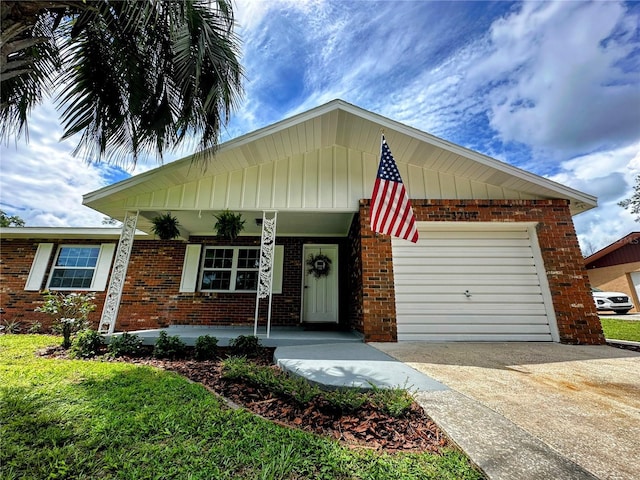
(166, 226)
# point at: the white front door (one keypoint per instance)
(320, 290)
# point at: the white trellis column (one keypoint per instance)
(118, 274)
(265, 271)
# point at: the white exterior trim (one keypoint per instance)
(544, 284)
(321, 160)
(190, 266)
(65, 233)
(111, 306)
(103, 267)
(39, 267)
(278, 269)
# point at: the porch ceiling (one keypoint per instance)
(321, 224)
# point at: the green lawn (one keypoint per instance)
(73, 419)
(621, 329)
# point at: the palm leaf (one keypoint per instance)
(141, 77)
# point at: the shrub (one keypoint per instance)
(35, 327)
(169, 347)
(394, 401)
(206, 347)
(70, 312)
(235, 367)
(300, 390)
(11, 326)
(125, 344)
(346, 400)
(246, 345)
(86, 344)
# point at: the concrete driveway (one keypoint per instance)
(583, 401)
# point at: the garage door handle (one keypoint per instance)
(467, 293)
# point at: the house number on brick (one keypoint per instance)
(463, 215)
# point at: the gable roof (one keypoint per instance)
(624, 250)
(324, 159)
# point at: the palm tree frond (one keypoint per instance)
(141, 77)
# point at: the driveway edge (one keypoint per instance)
(500, 448)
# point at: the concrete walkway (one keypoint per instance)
(356, 365)
(579, 403)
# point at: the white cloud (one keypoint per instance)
(609, 176)
(43, 183)
(561, 84)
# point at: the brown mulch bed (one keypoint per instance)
(367, 428)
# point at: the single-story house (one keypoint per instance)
(616, 267)
(497, 258)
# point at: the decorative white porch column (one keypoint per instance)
(265, 271)
(118, 274)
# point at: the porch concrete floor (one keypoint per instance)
(279, 336)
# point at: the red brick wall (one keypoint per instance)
(151, 297)
(378, 292)
(16, 257)
(576, 316)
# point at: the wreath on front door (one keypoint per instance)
(319, 265)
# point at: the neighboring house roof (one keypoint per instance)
(323, 160)
(64, 233)
(624, 250)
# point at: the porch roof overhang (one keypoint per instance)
(98, 233)
(314, 168)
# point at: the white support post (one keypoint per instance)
(265, 271)
(118, 274)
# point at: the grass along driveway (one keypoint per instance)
(617, 329)
(76, 419)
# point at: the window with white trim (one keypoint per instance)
(74, 267)
(230, 269)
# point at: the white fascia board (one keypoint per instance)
(65, 233)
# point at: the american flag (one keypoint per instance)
(391, 211)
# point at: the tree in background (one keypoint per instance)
(134, 77)
(633, 203)
(10, 221)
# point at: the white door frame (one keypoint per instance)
(305, 275)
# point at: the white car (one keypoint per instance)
(614, 301)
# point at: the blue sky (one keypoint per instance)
(551, 87)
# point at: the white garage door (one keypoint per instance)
(472, 282)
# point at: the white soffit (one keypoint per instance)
(338, 123)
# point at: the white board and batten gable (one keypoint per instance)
(322, 161)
